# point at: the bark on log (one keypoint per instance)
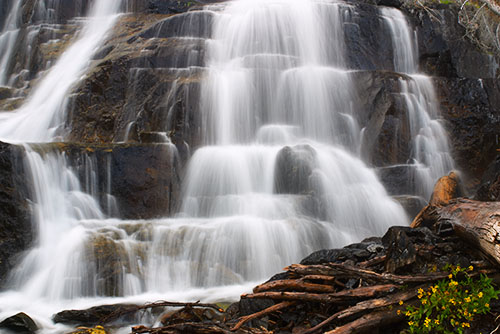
(296, 285)
(340, 270)
(338, 297)
(476, 222)
(262, 313)
(368, 321)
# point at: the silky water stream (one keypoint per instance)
(277, 93)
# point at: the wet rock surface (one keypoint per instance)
(16, 230)
(144, 179)
(20, 323)
(92, 316)
(471, 110)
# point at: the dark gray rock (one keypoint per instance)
(444, 51)
(357, 252)
(20, 323)
(294, 166)
(471, 109)
(489, 189)
(16, 231)
(144, 179)
(398, 179)
(412, 204)
(95, 315)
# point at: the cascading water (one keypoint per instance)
(53, 269)
(8, 37)
(279, 176)
(41, 118)
(431, 154)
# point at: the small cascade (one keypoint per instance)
(58, 205)
(42, 117)
(430, 155)
(8, 39)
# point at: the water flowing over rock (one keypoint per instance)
(189, 149)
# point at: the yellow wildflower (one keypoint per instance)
(450, 276)
(480, 294)
(410, 323)
(487, 305)
(400, 302)
(399, 312)
(436, 322)
(467, 299)
(471, 268)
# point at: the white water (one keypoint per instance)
(8, 38)
(431, 154)
(42, 117)
(276, 79)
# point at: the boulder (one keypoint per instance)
(20, 323)
(294, 166)
(358, 252)
(93, 315)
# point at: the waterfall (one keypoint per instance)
(279, 173)
(431, 154)
(55, 269)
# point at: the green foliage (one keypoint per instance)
(451, 305)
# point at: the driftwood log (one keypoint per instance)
(476, 222)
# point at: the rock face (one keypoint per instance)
(16, 230)
(471, 108)
(144, 179)
(490, 183)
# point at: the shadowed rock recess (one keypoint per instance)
(134, 120)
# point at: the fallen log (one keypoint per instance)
(476, 222)
(341, 270)
(337, 297)
(296, 285)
